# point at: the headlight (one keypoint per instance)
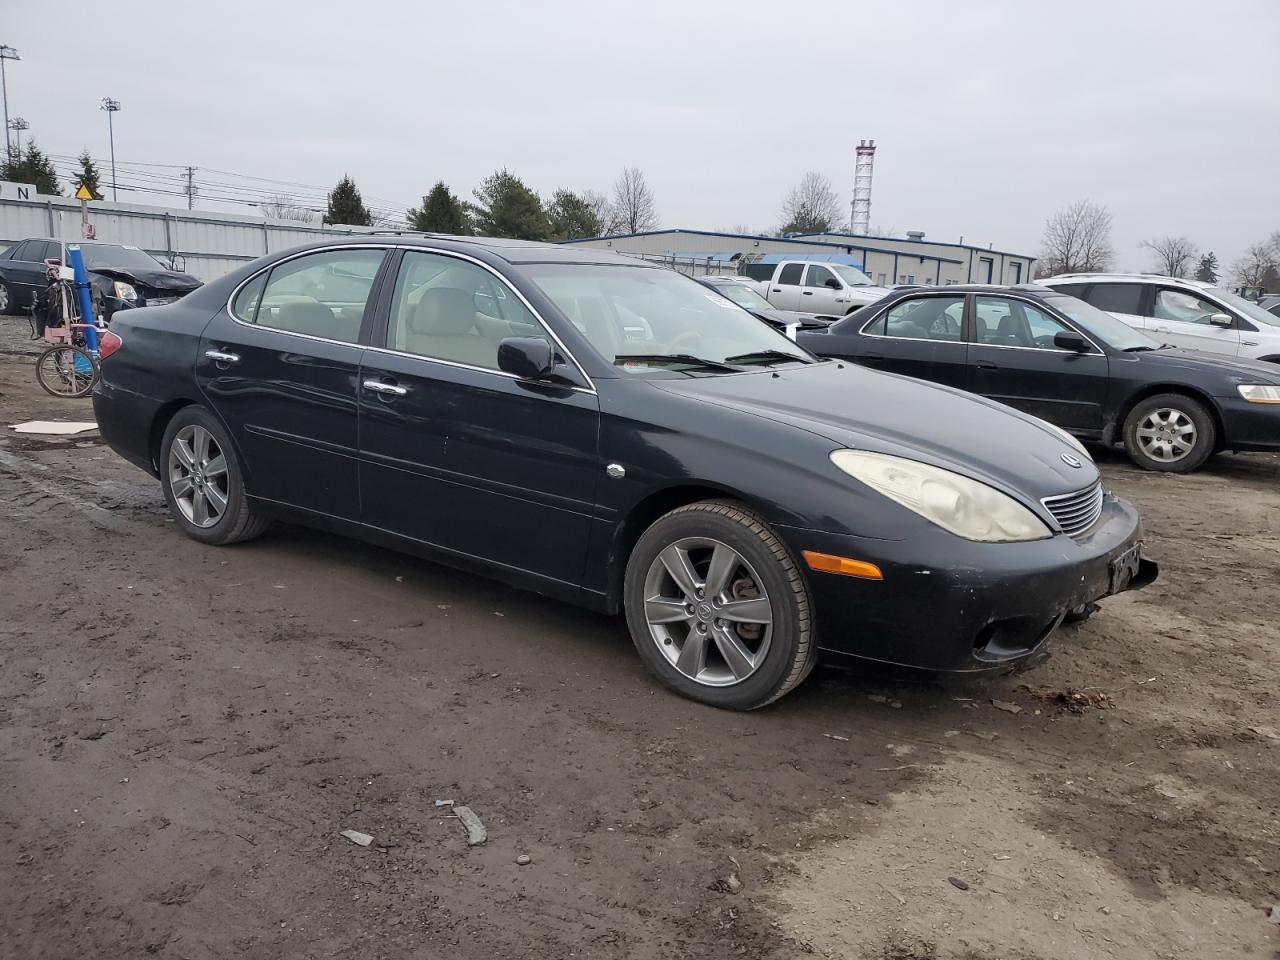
(962, 506)
(124, 291)
(1070, 439)
(1259, 393)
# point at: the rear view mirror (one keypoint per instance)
(529, 358)
(1221, 320)
(1070, 340)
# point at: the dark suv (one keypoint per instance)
(121, 276)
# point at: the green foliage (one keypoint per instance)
(1207, 272)
(571, 217)
(441, 212)
(32, 167)
(347, 206)
(89, 174)
(505, 207)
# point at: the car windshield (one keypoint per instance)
(1102, 326)
(109, 256)
(1250, 310)
(851, 275)
(743, 295)
(637, 316)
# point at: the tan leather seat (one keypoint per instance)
(444, 326)
(309, 317)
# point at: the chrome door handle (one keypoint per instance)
(377, 386)
(222, 357)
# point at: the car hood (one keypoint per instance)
(866, 294)
(811, 320)
(864, 409)
(1230, 370)
(158, 279)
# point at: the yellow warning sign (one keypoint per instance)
(84, 193)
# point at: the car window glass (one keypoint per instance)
(818, 276)
(1115, 297)
(450, 309)
(245, 305)
(1001, 322)
(20, 253)
(790, 274)
(924, 318)
(1071, 289)
(321, 294)
(1183, 307)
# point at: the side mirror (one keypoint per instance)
(833, 283)
(1222, 320)
(1070, 340)
(529, 358)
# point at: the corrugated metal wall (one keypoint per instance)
(212, 243)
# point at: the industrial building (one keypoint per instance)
(886, 260)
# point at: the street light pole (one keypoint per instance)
(111, 106)
(17, 125)
(6, 53)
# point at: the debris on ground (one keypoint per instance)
(524, 860)
(1077, 701)
(728, 884)
(836, 736)
(909, 950)
(1275, 914)
(54, 428)
(476, 833)
(1006, 706)
(957, 883)
(358, 838)
(877, 698)
(444, 803)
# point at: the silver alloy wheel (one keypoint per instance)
(198, 475)
(708, 611)
(1167, 434)
(4, 298)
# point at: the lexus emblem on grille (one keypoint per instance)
(1071, 461)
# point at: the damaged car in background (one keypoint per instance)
(609, 432)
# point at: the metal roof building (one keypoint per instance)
(887, 260)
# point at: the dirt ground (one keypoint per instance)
(185, 730)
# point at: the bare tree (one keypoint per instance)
(811, 206)
(283, 207)
(1259, 259)
(1077, 239)
(1174, 255)
(633, 202)
(603, 208)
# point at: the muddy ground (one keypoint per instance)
(185, 730)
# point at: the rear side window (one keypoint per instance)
(1116, 297)
(790, 274)
(245, 305)
(1071, 289)
(320, 295)
(922, 318)
(21, 251)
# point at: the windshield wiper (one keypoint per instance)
(765, 356)
(687, 358)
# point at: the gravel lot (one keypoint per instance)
(186, 730)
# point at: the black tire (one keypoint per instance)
(66, 371)
(1206, 433)
(240, 520)
(792, 649)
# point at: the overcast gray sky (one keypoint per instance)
(988, 115)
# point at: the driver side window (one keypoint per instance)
(922, 318)
(818, 276)
(1182, 307)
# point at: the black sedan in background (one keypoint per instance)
(1056, 357)
(790, 322)
(609, 432)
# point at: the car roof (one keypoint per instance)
(512, 251)
(1027, 289)
(1125, 278)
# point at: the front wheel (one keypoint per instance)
(202, 480)
(717, 607)
(66, 371)
(1170, 433)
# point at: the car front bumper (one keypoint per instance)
(1249, 426)
(952, 605)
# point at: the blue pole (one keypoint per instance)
(83, 297)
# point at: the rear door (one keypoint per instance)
(784, 292)
(817, 295)
(280, 370)
(1182, 318)
(1013, 359)
(920, 337)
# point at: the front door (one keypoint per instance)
(1183, 319)
(784, 292)
(919, 337)
(1013, 359)
(280, 371)
(817, 295)
(459, 455)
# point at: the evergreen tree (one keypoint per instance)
(572, 217)
(89, 174)
(505, 207)
(32, 167)
(1208, 269)
(441, 212)
(346, 206)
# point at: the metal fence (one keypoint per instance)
(689, 266)
(211, 243)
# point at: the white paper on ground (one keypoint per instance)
(54, 427)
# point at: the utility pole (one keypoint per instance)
(6, 53)
(191, 188)
(111, 106)
(17, 125)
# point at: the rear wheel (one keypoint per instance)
(1170, 432)
(718, 608)
(202, 480)
(66, 371)
(7, 304)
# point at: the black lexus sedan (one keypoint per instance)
(605, 431)
(1048, 354)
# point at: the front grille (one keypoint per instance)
(1076, 512)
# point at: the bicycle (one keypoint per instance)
(68, 368)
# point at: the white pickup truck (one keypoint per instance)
(827, 289)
